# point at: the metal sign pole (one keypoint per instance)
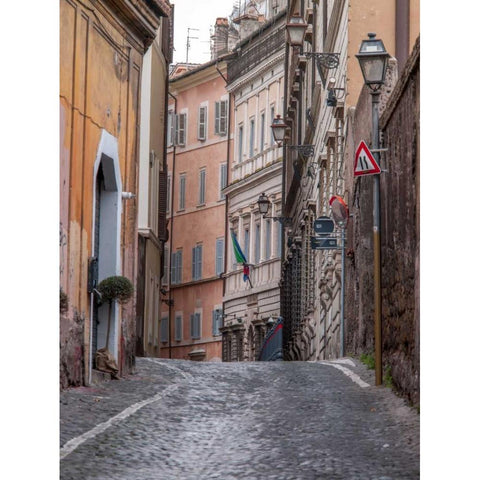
(342, 300)
(377, 284)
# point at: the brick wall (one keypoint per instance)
(400, 233)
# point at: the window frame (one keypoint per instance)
(202, 124)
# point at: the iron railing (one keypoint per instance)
(251, 57)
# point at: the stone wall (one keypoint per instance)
(400, 233)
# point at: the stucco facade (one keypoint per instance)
(198, 143)
(152, 191)
(256, 85)
(100, 69)
(312, 328)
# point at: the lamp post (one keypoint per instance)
(372, 58)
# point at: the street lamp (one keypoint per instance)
(263, 204)
(296, 28)
(263, 207)
(373, 63)
(279, 127)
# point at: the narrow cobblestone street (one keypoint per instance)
(272, 420)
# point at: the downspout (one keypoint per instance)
(172, 191)
(226, 198)
(402, 32)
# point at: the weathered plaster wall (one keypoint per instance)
(399, 235)
(99, 89)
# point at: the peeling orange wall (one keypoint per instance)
(99, 89)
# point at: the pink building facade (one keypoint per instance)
(192, 284)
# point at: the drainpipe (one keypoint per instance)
(172, 191)
(402, 32)
(226, 197)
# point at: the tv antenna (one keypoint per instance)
(189, 38)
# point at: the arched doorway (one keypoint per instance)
(107, 208)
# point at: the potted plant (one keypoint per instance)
(112, 289)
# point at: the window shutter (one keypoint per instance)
(181, 201)
(199, 261)
(257, 243)
(173, 278)
(202, 120)
(201, 193)
(197, 326)
(162, 206)
(268, 239)
(223, 117)
(178, 328)
(179, 266)
(194, 263)
(219, 256)
(223, 179)
(181, 120)
(192, 325)
(164, 330)
(217, 118)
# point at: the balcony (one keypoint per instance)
(256, 163)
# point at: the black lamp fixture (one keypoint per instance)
(296, 28)
(279, 128)
(264, 205)
(372, 58)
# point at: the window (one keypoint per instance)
(164, 329)
(169, 189)
(166, 262)
(177, 267)
(201, 187)
(219, 256)
(178, 328)
(181, 197)
(257, 243)
(240, 143)
(221, 112)
(251, 151)
(268, 239)
(223, 179)
(202, 123)
(181, 129)
(195, 325)
(171, 128)
(217, 321)
(197, 262)
(246, 243)
(272, 118)
(279, 240)
(262, 132)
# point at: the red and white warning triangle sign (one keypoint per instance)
(365, 164)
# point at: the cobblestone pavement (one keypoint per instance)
(175, 419)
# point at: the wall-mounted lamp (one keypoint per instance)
(264, 205)
(296, 28)
(279, 128)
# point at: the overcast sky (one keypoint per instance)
(199, 14)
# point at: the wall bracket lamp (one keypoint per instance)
(264, 205)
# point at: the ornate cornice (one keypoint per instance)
(142, 16)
